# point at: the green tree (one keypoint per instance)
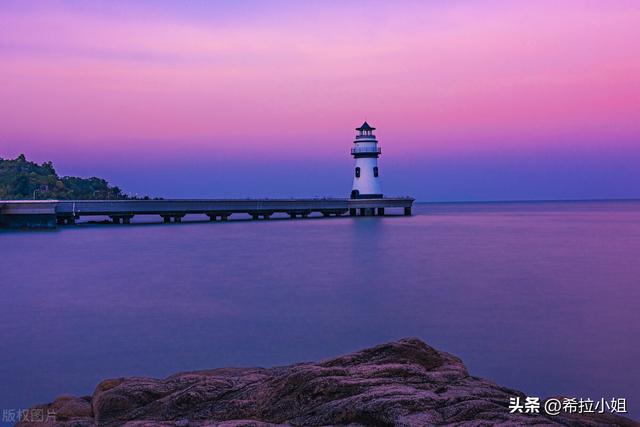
(19, 178)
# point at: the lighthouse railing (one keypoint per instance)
(359, 150)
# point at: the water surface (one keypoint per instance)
(542, 297)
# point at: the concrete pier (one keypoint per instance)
(30, 214)
(50, 213)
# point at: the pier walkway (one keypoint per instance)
(51, 213)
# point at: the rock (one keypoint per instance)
(403, 383)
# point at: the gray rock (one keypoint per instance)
(403, 383)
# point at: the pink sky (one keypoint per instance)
(291, 78)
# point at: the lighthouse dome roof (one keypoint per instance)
(365, 126)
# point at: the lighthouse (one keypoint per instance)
(366, 179)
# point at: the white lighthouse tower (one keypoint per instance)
(366, 180)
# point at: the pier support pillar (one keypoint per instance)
(381, 211)
(363, 212)
(115, 219)
(292, 214)
(224, 217)
(255, 216)
(60, 221)
(353, 211)
(166, 219)
(177, 218)
(407, 211)
(127, 219)
(324, 213)
(304, 214)
(212, 217)
(267, 215)
(71, 220)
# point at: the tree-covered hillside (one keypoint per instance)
(22, 179)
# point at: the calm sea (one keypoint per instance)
(542, 297)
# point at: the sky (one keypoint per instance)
(472, 100)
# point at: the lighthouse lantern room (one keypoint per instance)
(366, 180)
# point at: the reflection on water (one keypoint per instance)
(537, 296)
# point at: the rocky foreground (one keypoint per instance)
(403, 383)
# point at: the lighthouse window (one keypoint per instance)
(375, 171)
(357, 172)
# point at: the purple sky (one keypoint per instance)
(472, 100)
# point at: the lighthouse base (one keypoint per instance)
(355, 194)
